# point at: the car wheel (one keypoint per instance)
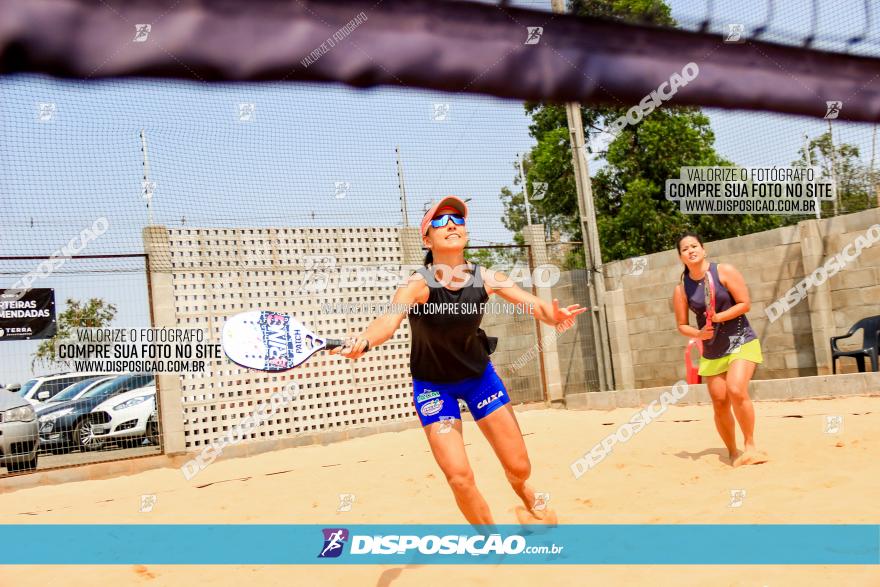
(83, 437)
(20, 466)
(153, 432)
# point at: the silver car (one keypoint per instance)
(19, 433)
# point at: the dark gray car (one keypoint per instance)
(19, 433)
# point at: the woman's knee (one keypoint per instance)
(519, 470)
(721, 404)
(720, 396)
(460, 479)
(738, 394)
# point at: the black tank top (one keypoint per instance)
(447, 342)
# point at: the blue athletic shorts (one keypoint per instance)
(439, 401)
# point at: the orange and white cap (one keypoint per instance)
(448, 205)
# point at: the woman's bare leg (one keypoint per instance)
(448, 449)
(502, 431)
(724, 422)
(739, 374)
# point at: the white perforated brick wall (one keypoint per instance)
(220, 272)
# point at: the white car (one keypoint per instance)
(41, 389)
(124, 417)
(77, 390)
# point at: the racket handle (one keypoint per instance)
(333, 343)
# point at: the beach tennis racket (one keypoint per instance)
(271, 341)
(709, 295)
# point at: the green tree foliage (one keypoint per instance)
(633, 216)
(841, 164)
(632, 212)
(96, 313)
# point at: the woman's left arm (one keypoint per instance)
(548, 313)
(739, 291)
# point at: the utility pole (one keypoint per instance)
(148, 188)
(587, 213)
(809, 159)
(833, 170)
(873, 177)
(522, 175)
(402, 187)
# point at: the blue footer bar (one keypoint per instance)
(440, 544)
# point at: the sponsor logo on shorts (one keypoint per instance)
(334, 540)
(426, 395)
(490, 399)
(432, 407)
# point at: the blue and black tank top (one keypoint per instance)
(730, 335)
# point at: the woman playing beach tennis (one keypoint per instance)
(449, 359)
(731, 349)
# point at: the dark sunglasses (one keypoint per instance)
(442, 221)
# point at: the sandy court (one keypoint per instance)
(670, 472)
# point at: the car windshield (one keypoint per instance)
(119, 385)
(26, 387)
(71, 390)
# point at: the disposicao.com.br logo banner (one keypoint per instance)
(383, 544)
(428, 544)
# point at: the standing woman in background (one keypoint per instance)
(731, 349)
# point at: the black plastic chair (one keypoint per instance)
(870, 337)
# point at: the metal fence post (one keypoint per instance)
(161, 292)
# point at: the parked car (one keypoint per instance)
(124, 417)
(153, 427)
(65, 426)
(19, 434)
(40, 389)
(77, 390)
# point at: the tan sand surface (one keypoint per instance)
(673, 471)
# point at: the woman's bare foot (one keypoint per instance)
(732, 456)
(546, 517)
(751, 456)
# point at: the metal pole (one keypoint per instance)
(402, 187)
(522, 175)
(872, 179)
(810, 164)
(545, 396)
(148, 194)
(833, 170)
(595, 283)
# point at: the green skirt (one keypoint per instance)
(751, 351)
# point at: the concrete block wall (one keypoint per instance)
(855, 291)
(577, 357)
(771, 262)
(574, 348)
(517, 338)
(566, 363)
(199, 277)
